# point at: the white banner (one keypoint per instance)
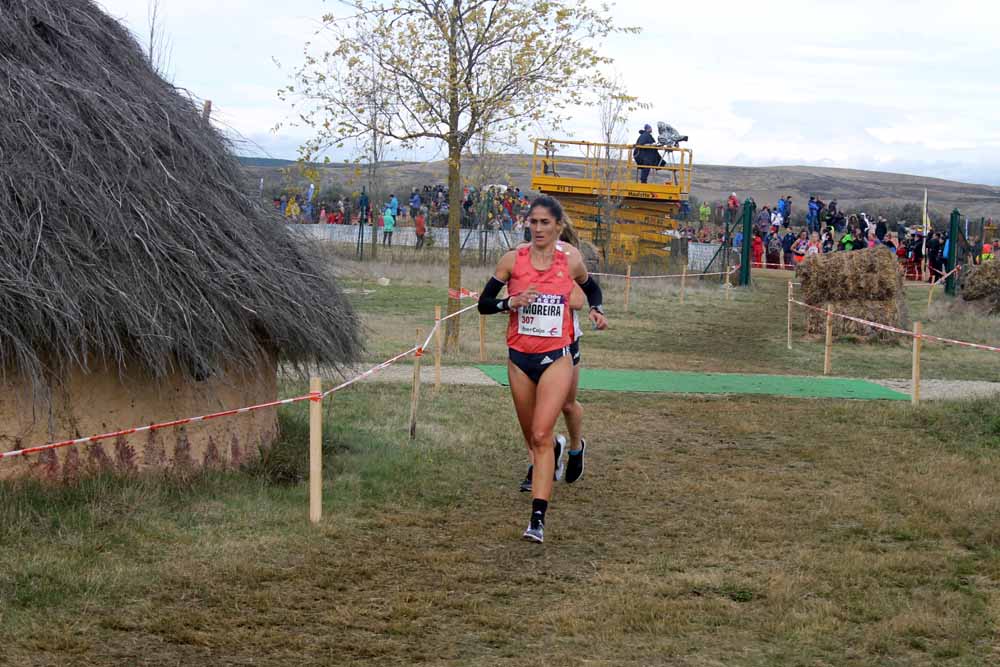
(700, 254)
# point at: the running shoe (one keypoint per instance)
(535, 532)
(560, 447)
(526, 483)
(574, 465)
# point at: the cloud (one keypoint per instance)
(893, 84)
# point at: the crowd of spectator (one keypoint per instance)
(494, 207)
(778, 244)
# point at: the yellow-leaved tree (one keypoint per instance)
(451, 68)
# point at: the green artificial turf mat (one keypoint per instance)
(670, 382)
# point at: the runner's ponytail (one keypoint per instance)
(569, 234)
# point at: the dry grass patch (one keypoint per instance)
(701, 535)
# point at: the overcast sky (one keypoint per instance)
(894, 85)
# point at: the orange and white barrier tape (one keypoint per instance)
(312, 396)
(156, 427)
(897, 330)
(875, 325)
(945, 276)
(437, 324)
(462, 294)
(962, 343)
(668, 275)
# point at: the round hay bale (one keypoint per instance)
(861, 283)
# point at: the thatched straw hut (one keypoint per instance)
(863, 283)
(139, 281)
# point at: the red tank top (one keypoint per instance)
(546, 324)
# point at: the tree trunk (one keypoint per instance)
(455, 146)
(454, 242)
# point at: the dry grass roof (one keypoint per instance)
(125, 233)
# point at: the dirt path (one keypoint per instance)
(468, 375)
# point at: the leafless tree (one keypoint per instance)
(614, 106)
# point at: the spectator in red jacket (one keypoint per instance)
(732, 208)
(420, 227)
(757, 249)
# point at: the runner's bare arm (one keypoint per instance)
(576, 298)
(505, 267)
(577, 269)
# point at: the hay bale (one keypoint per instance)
(862, 283)
(885, 312)
(871, 274)
(982, 283)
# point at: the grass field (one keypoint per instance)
(707, 531)
(707, 333)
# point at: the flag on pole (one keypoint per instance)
(926, 221)
(925, 226)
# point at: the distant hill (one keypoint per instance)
(854, 190)
(264, 162)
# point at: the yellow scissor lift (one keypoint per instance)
(580, 174)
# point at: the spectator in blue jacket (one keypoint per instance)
(415, 203)
(394, 207)
(812, 219)
(786, 248)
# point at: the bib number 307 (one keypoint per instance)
(543, 318)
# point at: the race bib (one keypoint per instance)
(544, 317)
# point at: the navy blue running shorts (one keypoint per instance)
(574, 350)
(534, 365)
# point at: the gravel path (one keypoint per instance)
(936, 390)
(449, 374)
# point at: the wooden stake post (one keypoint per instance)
(315, 452)
(828, 352)
(628, 284)
(789, 314)
(415, 393)
(482, 338)
(930, 293)
(918, 330)
(438, 340)
(684, 276)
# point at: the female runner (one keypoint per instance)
(540, 279)
(572, 410)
